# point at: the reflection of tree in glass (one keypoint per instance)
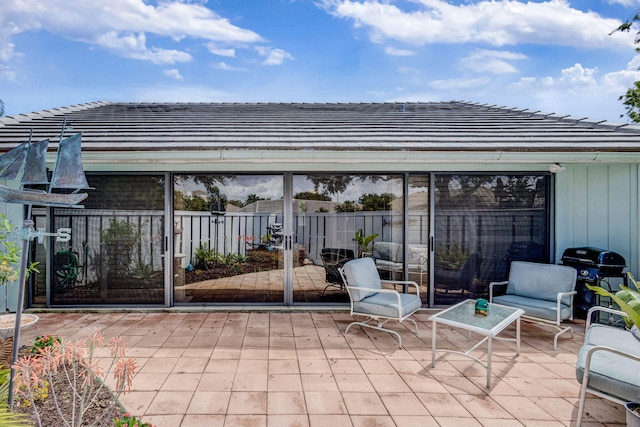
(336, 184)
(330, 184)
(347, 206)
(312, 195)
(514, 191)
(368, 202)
(519, 191)
(376, 202)
(195, 202)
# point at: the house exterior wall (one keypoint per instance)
(598, 205)
(595, 204)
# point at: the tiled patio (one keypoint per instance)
(297, 369)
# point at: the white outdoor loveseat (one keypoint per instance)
(608, 363)
(544, 291)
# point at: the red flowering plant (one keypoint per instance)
(61, 384)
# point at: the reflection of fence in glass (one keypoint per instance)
(236, 232)
(123, 246)
(491, 230)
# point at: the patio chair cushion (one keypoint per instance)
(387, 252)
(540, 308)
(541, 281)
(418, 254)
(362, 273)
(386, 305)
(610, 373)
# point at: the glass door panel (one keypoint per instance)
(482, 223)
(116, 251)
(418, 219)
(228, 239)
(331, 214)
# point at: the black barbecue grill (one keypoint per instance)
(592, 265)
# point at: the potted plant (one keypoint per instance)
(363, 241)
(628, 299)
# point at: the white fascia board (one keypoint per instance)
(182, 160)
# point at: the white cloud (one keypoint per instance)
(6, 51)
(448, 84)
(176, 94)
(121, 26)
(578, 76)
(134, 47)
(274, 56)
(174, 74)
(492, 61)
(577, 90)
(619, 81)
(220, 51)
(7, 74)
(495, 22)
(226, 67)
(627, 3)
(399, 52)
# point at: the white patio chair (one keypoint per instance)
(370, 299)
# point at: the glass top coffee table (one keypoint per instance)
(462, 315)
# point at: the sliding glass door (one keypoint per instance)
(482, 223)
(229, 239)
(115, 255)
(341, 217)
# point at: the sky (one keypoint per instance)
(553, 56)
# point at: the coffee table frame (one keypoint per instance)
(462, 315)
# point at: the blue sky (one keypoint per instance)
(555, 56)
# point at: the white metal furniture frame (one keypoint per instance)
(368, 298)
(608, 363)
(544, 291)
(462, 315)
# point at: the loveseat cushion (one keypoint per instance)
(383, 264)
(533, 307)
(610, 373)
(362, 273)
(386, 304)
(387, 251)
(541, 281)
(418, 254)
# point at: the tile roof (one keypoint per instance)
(422, 126)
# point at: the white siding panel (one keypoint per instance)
(619, 207)
(598, 205)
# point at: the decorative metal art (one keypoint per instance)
(29, 157)
(68, 175)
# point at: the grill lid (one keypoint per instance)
(593, 257)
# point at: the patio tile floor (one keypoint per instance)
(292, 368)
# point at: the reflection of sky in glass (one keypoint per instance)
(356, 187)
(239, 187)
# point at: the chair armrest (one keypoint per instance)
(403, 282)
(492, 284)
(587, 362)
(600, 308)
(384, 291)
(559, 304)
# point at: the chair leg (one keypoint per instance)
(377, 327)
(581, 399)
(335, 285)
(414, 323)
(562, 331)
